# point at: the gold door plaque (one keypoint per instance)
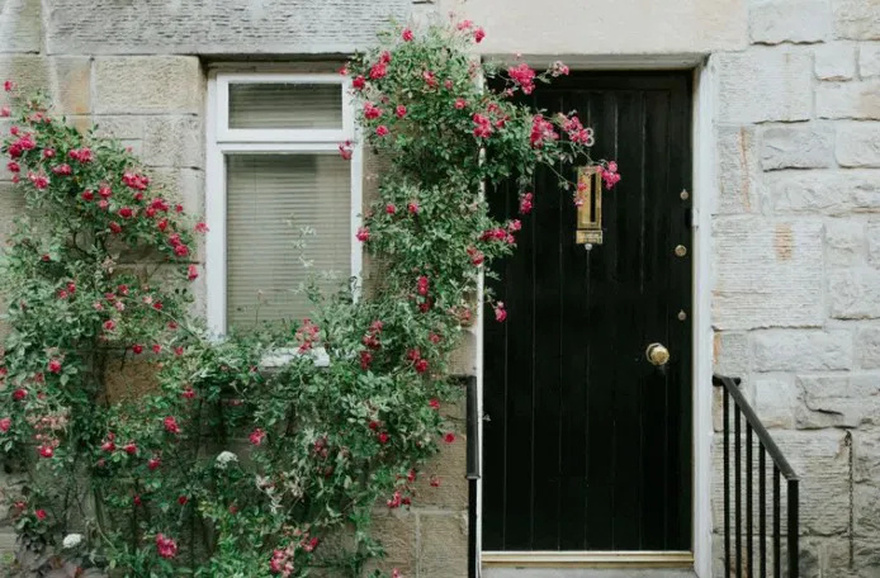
(589, 207)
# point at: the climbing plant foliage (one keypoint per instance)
(226, 466)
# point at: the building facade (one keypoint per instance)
(783, 246)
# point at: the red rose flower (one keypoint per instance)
(5, 424)
(40, 514)
(449, 437)
(407, 35)
(55, 366)
(171, 425)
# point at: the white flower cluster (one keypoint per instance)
(72, 541)
(223, 459)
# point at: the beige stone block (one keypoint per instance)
(149, 84)
(463, 360)
(844, 242)
(450, 467)
(837, 400)
(67, 79)
(798, 21)
(174, 142)
(764, 84)
(768, 273)
(835, 61)
(857, 19)
(854, 293)
(858, 144)
(11, 206)
(442, 546)
(738, 170)
(860, 100)
(128, 378)
(21, 26)
(802, 350)
(869, 59)
(396, 530)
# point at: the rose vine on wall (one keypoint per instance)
(225, 468)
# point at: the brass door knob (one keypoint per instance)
(657, 354)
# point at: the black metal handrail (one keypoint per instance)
(781, 468)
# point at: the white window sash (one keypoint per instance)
(221, 141)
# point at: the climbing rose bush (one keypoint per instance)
(228, 466)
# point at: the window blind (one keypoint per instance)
(270, 198)
(279, 105)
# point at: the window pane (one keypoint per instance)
(297, 106)
(270, 199)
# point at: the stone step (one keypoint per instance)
(586, 573)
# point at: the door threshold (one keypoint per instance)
(598, 559)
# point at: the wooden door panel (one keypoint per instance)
(588, 446)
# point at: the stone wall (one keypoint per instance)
(796, 232)
(795, 211)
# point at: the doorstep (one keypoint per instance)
(513, 572)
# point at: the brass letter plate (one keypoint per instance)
(589, 207)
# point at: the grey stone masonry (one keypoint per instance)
(217, 27)
(796, 264)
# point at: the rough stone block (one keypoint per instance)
(396, 530)
(768, 273)
(835, 61)
(848, 100)
(787, 350)
(858, 144)
(11, 206)
(866, 455)
(802, 146)
(868, 347)
(67, 79)
(798, 21)
(738, 170)
(764, 84)
(449, 466)
(174, 142)
(866, 509)
(21, 26)
(869, 59)
(829, 192)
(128, 378)
(182, 185)
(872, 233)
(149, 84)
(844, 242)
(857, 19)
(218, 26)
(732, 354)
(775, 400)
(837, 400)
(464, 359)
(821, 459)
(443, 546)
(854, 294)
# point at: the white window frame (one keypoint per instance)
(222, 141)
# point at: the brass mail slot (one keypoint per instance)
(589, 206)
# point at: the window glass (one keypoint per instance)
(288, 220)
(285, 106)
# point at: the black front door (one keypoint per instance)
(587, 445)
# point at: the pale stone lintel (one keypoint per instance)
(635, 61)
